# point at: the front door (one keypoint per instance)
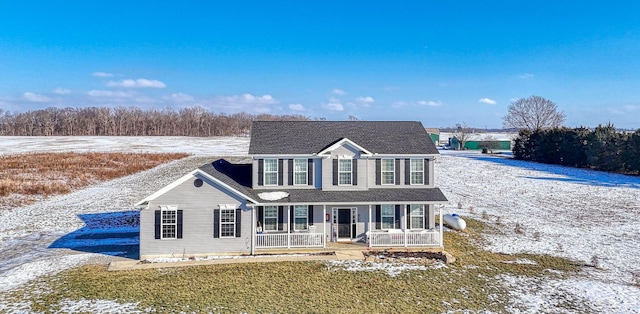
(344, 223)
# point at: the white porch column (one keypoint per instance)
(441, 230)
(369, 228)
(324, 226)
(288, 226)
(253, 229)
(406, 222)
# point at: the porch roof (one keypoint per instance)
(300, 196)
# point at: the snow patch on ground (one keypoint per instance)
(392, 269)
(273, 196)
(22, 274)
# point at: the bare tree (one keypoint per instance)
(533, 113)
(462, 134)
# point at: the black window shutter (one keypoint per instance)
(179, 225)
(261, 216)
(407, 214)
(290, 171)
(427, 216)
(310, 172)
(378, 217)
(291, 221)
(158, 218)
(407, 171)
(238, 221)
(310, 215)
(426, 171)
(280, 218)
(335, 172)
(378, 172)
(354, 172)
(260, 171)
(397, 166)
(216, 223)
(397, 222)
(280, 172)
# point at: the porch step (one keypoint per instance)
(349, 255)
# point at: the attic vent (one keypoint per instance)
(197, 183)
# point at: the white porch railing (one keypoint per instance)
(404, 238)
(289, 240)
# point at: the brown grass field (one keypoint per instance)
(26, 178)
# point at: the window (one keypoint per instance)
(417, 171)
(169, 223)
(300, 172)
(227, 223)
(300, 217)
(270, 222)
(417, 216)
(270, 172)
(388, 171)
(388, 216)
(344, 172)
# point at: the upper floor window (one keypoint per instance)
(388, 171)
(417, 171)
(345, 171)
(388, 216)
(270, 172)
(270, 222)
(300, 171)
(417, 216)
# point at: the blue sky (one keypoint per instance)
(440, 62)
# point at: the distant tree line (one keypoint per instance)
(603, 148)
(132, 121)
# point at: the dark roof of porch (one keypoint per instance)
(309, 137)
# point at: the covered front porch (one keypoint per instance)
(304, 226)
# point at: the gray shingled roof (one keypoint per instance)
(238, 176)
(308, 137)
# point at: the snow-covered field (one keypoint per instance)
(583, 215)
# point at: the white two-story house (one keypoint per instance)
(309, 183)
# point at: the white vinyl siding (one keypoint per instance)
(270, 222)
(227, 223)
(388, 174)
(270, 172)
(417, 171)
(388, 216)
(345, 171)
(300, 172)
(417, 216)
(169, 223)
(300, 218)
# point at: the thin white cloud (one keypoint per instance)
(109, 93)
(334, 105)
(338, 91)
(102, 74)
(296, 107)
(33, 97)
(430, 103)
(399, 104)
(247, 99)
(139, 83)
(365, 100)
(180, 97)
(487, 101)
(61, 91)
(525, 76)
